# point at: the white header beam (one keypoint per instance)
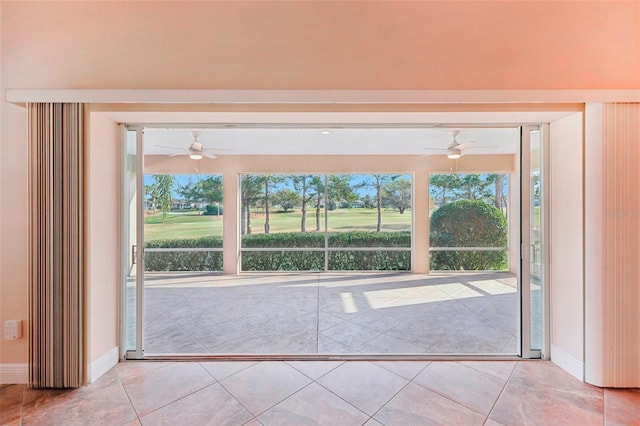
(19, 96)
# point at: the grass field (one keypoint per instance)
(189, 225)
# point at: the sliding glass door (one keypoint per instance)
(133, 240)
(334, 223)
(534, 249)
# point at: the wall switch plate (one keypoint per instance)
(12, 329)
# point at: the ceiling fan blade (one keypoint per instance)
(217, 149)
(481, 147)
(179, 153)
(438, 149)
(209, 155)
(169, 147)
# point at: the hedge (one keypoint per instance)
(184, 260)
(468, 223)
(287, 260)
(216, 210)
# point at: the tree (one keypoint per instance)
(476, 186)
(309, 187)
(164, 186)
(500, 200)
(211, 189)
(286, 198)
(318, 188)
(151, 191)
(368, 201)
(377, 181)
(250, 191)
(191, 192)
(270, 182)
(397, 194)
(341, 188)
(207, 190)
(443, 187)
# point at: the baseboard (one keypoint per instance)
(14, 374)
(567, 362)
(103, 364)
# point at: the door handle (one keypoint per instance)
(527, 252)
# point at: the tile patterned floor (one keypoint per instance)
(326, 393)
(330, 313)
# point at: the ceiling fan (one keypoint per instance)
(196, 151)
(456, 148)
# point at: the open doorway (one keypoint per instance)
(328, 276)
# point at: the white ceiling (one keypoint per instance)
(351, 133)
(329, 140)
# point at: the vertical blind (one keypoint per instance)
(57, 285)
(621, 244)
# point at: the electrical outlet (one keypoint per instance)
(12, 329)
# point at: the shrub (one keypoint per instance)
(184, 261)
(338, 260)
(284, 239)
(210, 210)
(287, 260)
(375, 260)
(468, 223)
(283, 261)
(370, 239)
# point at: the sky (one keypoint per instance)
(357, 179)
(184, 179)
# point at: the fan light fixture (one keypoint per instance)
(454, 154)
(195, 156)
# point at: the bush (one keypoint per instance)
(375, 260)
(287, 260)
(260, 261)
(184, 261)
(370, 239)
(210, 210)
(284, 239)
(468, 223)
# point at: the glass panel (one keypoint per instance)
(469, 210)
(130, 232)
(183, 212)
(536, 258)
(288, 211)
(282, 211)
(369, 211)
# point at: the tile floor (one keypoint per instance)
(326, 393)
(330, 313)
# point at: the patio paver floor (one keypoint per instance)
(327, 313)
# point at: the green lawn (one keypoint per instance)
(188, 225)
(181, 225)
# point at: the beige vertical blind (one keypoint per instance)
(621, 244)
(57, 285)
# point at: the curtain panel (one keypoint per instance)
(57, 343)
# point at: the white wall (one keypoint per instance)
(566, 243)
(103, 241)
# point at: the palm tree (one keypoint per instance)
(164, 187)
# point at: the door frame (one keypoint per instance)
(524, 333)
(525, 346)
